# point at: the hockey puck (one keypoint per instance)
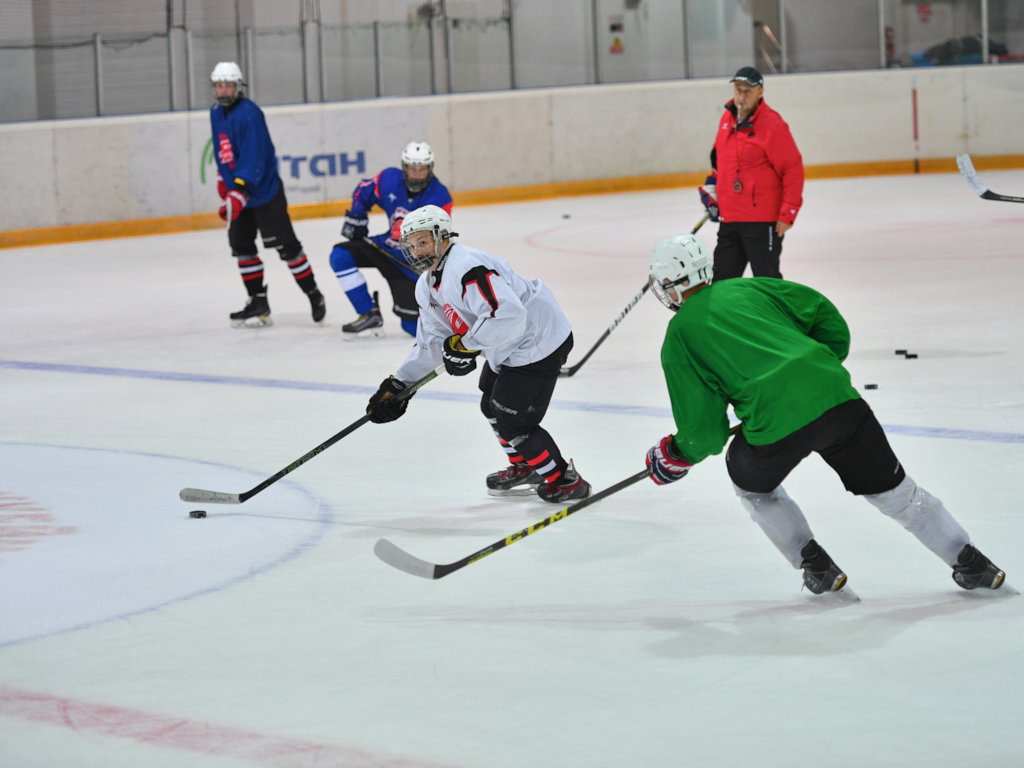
(870, 386)
(901, 351)
(565, 215)
(911, 356)
(197, 513)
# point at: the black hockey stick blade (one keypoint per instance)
(570, 371)
(403, 561)
(216, 497)
(966, 167)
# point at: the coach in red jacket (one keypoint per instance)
(756, 187)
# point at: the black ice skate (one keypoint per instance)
(821, 574)
(569, 487)
(369, 325)
(515, 480)
(316, 303)
(255, 315)
(974, 570)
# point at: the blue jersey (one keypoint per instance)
(245, 154)
(388, 191)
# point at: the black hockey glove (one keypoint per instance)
(355, 227)
(383, 407)
(458, 362)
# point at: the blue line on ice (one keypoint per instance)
(350, 389)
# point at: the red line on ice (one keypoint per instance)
(190, 735)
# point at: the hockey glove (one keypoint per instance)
(457, 360)
(222, 188)
(234, 202)
(666, 466)
(709, 196)
(383, 407)
(355, 227)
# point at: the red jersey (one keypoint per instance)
(760, 173)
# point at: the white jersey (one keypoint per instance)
(510, 320)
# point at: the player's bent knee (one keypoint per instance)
(290, 252)
(342, 259)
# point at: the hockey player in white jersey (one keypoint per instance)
(473, 303)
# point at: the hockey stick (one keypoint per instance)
(566, 372)
(216, 497)
(966, 167)
(403, 561)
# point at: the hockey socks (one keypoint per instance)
(538, 451)
(352, 282)
(302, 271)
(251, 269)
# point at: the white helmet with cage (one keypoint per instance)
(430, 219)
(228, 72)
(679, 263)
(417, 153)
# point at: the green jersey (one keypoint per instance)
(770, 348)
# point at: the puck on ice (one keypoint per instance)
(870, 386)
(901, 351)
(565, 215)
(197, 513)
(911, 356)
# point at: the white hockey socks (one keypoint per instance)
(781, 520)
(924, 516)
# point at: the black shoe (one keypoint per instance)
(569, 487)
(515, 480)
(974, 570)
(255, 314)
(821, 574)
(316, 303)
(369, 325)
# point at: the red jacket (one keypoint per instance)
(760, 153)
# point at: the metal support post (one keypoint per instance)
(250, 66)
(172, 101)
(597, 40)
(687, 61)
(188, 70)
(378, 63)
(783, 39)
(984, 32)
(511, 45)
(882, 61)
(305, 61)
(97, 45)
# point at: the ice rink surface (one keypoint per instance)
(656, 628)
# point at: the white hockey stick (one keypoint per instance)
(966, 167)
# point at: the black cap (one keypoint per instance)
(748, 75)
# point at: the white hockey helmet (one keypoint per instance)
(228, 72)
(430, 219)
(417, 153)
(679, 263)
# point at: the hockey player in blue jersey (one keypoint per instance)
(397, 191)
(253, 197)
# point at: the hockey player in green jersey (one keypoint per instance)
(774, 351)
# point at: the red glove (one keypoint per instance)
(665, 464)
(222, 188)
(234, 201)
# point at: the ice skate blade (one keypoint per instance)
(369, 333)
(518, 492)
(983, 593)
(253, 322)
(843, 595)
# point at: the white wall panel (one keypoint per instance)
(28, 187)
(111, 169)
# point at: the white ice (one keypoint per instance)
(656, 628)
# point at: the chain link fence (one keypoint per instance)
(80, 58)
